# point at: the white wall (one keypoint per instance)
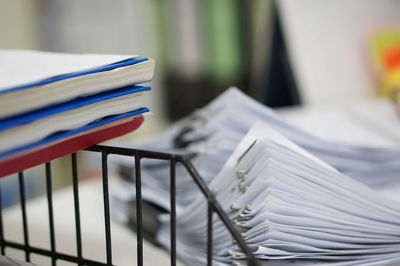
(327, 42)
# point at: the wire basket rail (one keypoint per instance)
(213, 208)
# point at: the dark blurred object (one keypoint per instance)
(150, 211)
(278, 88)
(150, 215)
(256, 60)
(184, 96)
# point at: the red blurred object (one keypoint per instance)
(391, 57)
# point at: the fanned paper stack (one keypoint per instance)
(289, 206)
(210, 135)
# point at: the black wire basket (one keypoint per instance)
(105, 151)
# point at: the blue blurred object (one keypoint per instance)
(10, 192)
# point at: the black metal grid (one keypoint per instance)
(213, 207)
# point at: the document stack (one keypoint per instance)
(210, 135)
(289, 207)
(52, 104)
(292, 195)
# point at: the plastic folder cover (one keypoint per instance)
(79, 102)
(126, 62)
(63, 134)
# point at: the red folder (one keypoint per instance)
(67, 145)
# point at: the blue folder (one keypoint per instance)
(16, 120)
(63, 134)
(123, 63)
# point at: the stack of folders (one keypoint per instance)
(52, 104)
(210, 135)
(290, 207)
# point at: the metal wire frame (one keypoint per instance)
(213, 207)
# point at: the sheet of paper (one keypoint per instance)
(288, 204)
(18, 67)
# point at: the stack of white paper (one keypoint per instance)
(211, 134)
(289, 205)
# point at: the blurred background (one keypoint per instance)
(282, 53)
(279, 52)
